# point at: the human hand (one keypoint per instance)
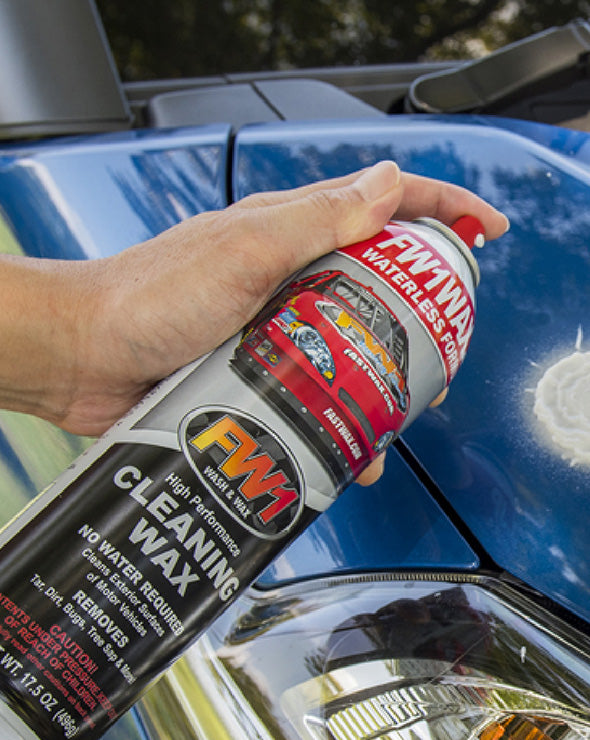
(374, 470)
(120, 324)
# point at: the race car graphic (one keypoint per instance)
(332, 358)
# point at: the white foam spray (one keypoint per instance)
(562, 404)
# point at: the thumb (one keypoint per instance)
(371, 202)
(317, 219)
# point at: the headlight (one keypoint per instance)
(369, 657)
(314, 347)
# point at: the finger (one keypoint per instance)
(440, 398)
(447, 202)
(372, 472)
(276, 197)
(321, 219)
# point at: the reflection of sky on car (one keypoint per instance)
(64, 182)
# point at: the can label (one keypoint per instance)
(246, 469)
(124, 561)
(331, 354)
(426, 282)
(157, 543)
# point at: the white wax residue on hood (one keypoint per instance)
(562, 404)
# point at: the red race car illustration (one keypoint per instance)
(329, 354)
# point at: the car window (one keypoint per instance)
(345, 290)
(385, 327)
(382, 327)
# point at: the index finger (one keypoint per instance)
(278, 197)
(446, 202)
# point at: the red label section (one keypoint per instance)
(425, 282)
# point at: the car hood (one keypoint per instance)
(477, 482)
(516, 496)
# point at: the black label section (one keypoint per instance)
(106, 587)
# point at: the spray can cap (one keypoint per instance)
(470, 230)
(465, 233)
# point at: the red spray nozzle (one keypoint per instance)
(470, 230)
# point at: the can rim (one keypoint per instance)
(456, 240)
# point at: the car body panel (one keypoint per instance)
(395, 523)
(93, 196)
(484, 448)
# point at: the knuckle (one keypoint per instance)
(330, 201)
(334, 211)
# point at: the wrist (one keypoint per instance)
(41, 326)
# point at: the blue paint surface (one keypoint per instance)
(483, 448)
(527, 507)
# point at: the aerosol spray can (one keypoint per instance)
(116, 568)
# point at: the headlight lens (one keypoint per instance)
(368, 657)
(315, 348)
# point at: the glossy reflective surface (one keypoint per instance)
(485, 447)
(365, 657)
(91, 197)
(394, 523)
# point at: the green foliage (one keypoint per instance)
(179, 38)
(152, 38)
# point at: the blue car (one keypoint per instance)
(451, 600)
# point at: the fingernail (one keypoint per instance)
(378, 180)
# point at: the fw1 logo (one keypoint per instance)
(246, 469)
